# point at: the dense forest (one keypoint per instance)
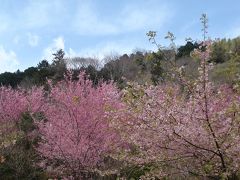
(139, 66)
(169, 114)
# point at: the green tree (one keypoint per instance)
(187, 49)
(59, 65)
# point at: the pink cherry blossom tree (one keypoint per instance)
(195, 132)
(13, 103)
(76, 135)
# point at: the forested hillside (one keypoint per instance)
(141, 67)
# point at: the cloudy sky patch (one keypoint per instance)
(32, 30)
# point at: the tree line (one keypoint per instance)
(139, 66)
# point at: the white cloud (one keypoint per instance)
(88, 20)
(134, 17)
(71, 53)
(57, 43)
(42, 13)
(32, 39)
(8, 60)
(32, 14)
(35, 14)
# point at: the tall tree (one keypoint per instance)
(59, 65)
(77, 131)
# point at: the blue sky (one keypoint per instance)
(31, 30)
